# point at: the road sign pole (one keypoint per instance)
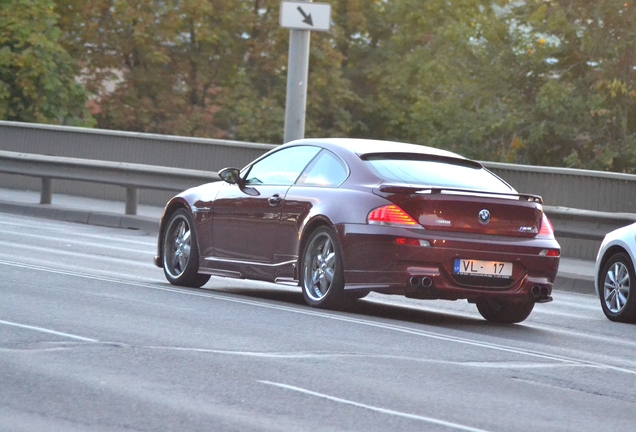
(297, 74)
(301, 16)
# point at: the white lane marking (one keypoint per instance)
(71, 253)
(374, 408)
(385, 326)
(49, 331)
(142, 247)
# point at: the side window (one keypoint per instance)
(282, 167)
(326, 170)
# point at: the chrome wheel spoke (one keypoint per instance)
(175, 261)
(330, 260)
(323, 285)
(622, 277)
(183, 261)
(185, 250)
(184, 237)
(611, 274)
(315, 278)
(326, 248)
(329, 272)
(612, 302)
(621, 297)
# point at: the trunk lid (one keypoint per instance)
(476, 212)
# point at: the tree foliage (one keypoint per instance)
(549, 82)
(36, 74)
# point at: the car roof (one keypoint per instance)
(362, 146)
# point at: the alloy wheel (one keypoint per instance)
(320, 266)
(616, 287)
(178, 246)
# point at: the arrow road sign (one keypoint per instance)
(305, 16)
(307, 19)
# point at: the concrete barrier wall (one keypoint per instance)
(150, 149)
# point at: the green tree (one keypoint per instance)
(37, 76)
(214, 68)
(430, 75)
(585, 110)
(251, 95)
(547, 82)
(152, 66)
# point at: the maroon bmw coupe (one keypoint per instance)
(344, 217)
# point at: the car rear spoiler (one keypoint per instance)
(397, 188)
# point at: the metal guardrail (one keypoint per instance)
(586, 224)
(568, 222)
(128, 175)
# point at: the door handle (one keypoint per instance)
(274, 200)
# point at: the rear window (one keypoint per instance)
(445, 172)
(325, 170)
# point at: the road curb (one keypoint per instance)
(111, 220)
(575, 283)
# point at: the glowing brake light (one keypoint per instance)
(546, 231)
(391, 215)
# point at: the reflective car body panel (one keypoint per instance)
(615, 274)
(258, 228)
(246, 222)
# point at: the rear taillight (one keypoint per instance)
(546, 230)
(391, 215)
(404, 241)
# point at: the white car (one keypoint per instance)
(614, 274)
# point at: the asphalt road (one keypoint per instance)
(92, 338)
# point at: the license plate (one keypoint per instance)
(495, 269)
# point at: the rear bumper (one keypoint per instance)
(374, 261)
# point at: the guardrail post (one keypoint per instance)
(132, 198)
(46, 193)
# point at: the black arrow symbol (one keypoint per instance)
(307, 19)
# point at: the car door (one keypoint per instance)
(247, 215)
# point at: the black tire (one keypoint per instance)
(181, 252)
(322, 276)
(504, 312)
(615, 290)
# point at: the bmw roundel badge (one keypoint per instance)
(484, 216)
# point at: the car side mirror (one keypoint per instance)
(230, 175)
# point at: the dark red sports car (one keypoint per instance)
(343, 217)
